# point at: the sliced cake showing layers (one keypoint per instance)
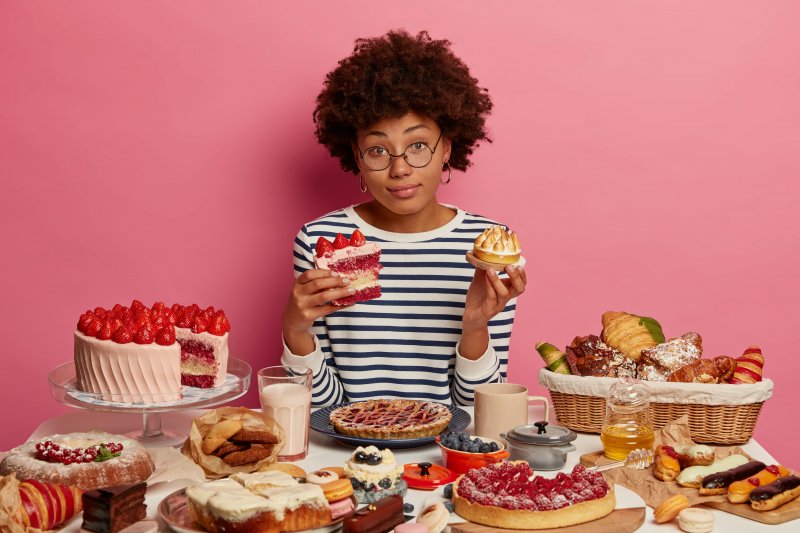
(355, 259)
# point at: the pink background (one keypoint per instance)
(647, 153)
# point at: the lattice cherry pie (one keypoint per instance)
(391, 419)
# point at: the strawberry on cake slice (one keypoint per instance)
(355, 259)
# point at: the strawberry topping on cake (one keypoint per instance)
(354, 258)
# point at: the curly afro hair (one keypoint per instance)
(389, 76)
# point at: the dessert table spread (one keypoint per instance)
(325, 451)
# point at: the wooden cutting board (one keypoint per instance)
(785, 513)
(619, 521)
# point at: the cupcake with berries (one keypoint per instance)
(374, 474)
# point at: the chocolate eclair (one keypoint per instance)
(780, 491)
(718, 483)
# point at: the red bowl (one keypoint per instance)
(460, 462)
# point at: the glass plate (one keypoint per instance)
(175, 512)
(64, 388)
(321, 423)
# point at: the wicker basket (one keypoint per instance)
(729, 421)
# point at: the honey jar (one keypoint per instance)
(628, 424)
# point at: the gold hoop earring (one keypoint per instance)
(449, 173)
(363, 185)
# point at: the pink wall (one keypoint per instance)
(647, 152)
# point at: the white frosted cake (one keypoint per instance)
(273, 503)
(135, 373)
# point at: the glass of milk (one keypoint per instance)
(285, 393)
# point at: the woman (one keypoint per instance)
(400, 113)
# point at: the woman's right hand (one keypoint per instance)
(309, 300)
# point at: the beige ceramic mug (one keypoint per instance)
(500, 407)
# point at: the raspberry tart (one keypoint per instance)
(391, 419)
(508, 495)
(355, 259)
(138, 354)
(85, 460)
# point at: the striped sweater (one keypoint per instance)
(405, 343)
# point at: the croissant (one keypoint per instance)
(630, 334)
(705, 371)
(554, 358)
(749, 366)
(35, 504)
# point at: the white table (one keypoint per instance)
(325, 451)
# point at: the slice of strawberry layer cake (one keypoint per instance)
(203, 337)
(354, 258)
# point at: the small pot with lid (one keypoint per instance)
(543, 447)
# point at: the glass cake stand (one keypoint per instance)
(64, 388)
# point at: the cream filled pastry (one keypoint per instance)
(497, 245)
(371, 469)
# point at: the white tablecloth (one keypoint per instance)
(325, 451)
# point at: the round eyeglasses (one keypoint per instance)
(417, 155)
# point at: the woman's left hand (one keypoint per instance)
(488, 295)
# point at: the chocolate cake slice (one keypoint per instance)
(112, 509)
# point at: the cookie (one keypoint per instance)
(338, 470)
(254, 437)
(320, 477)
(251, 455)
(229, 447)
(219, 433)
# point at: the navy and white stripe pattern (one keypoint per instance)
(403, 344)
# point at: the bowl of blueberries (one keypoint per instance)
(460, 452)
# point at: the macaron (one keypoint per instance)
(337, 490)
(411, 527)
(434, 517)
(670, 508)
(341, 508)
(694, 520)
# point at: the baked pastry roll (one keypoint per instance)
(630, 334)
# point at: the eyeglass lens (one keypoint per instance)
(416, 154)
